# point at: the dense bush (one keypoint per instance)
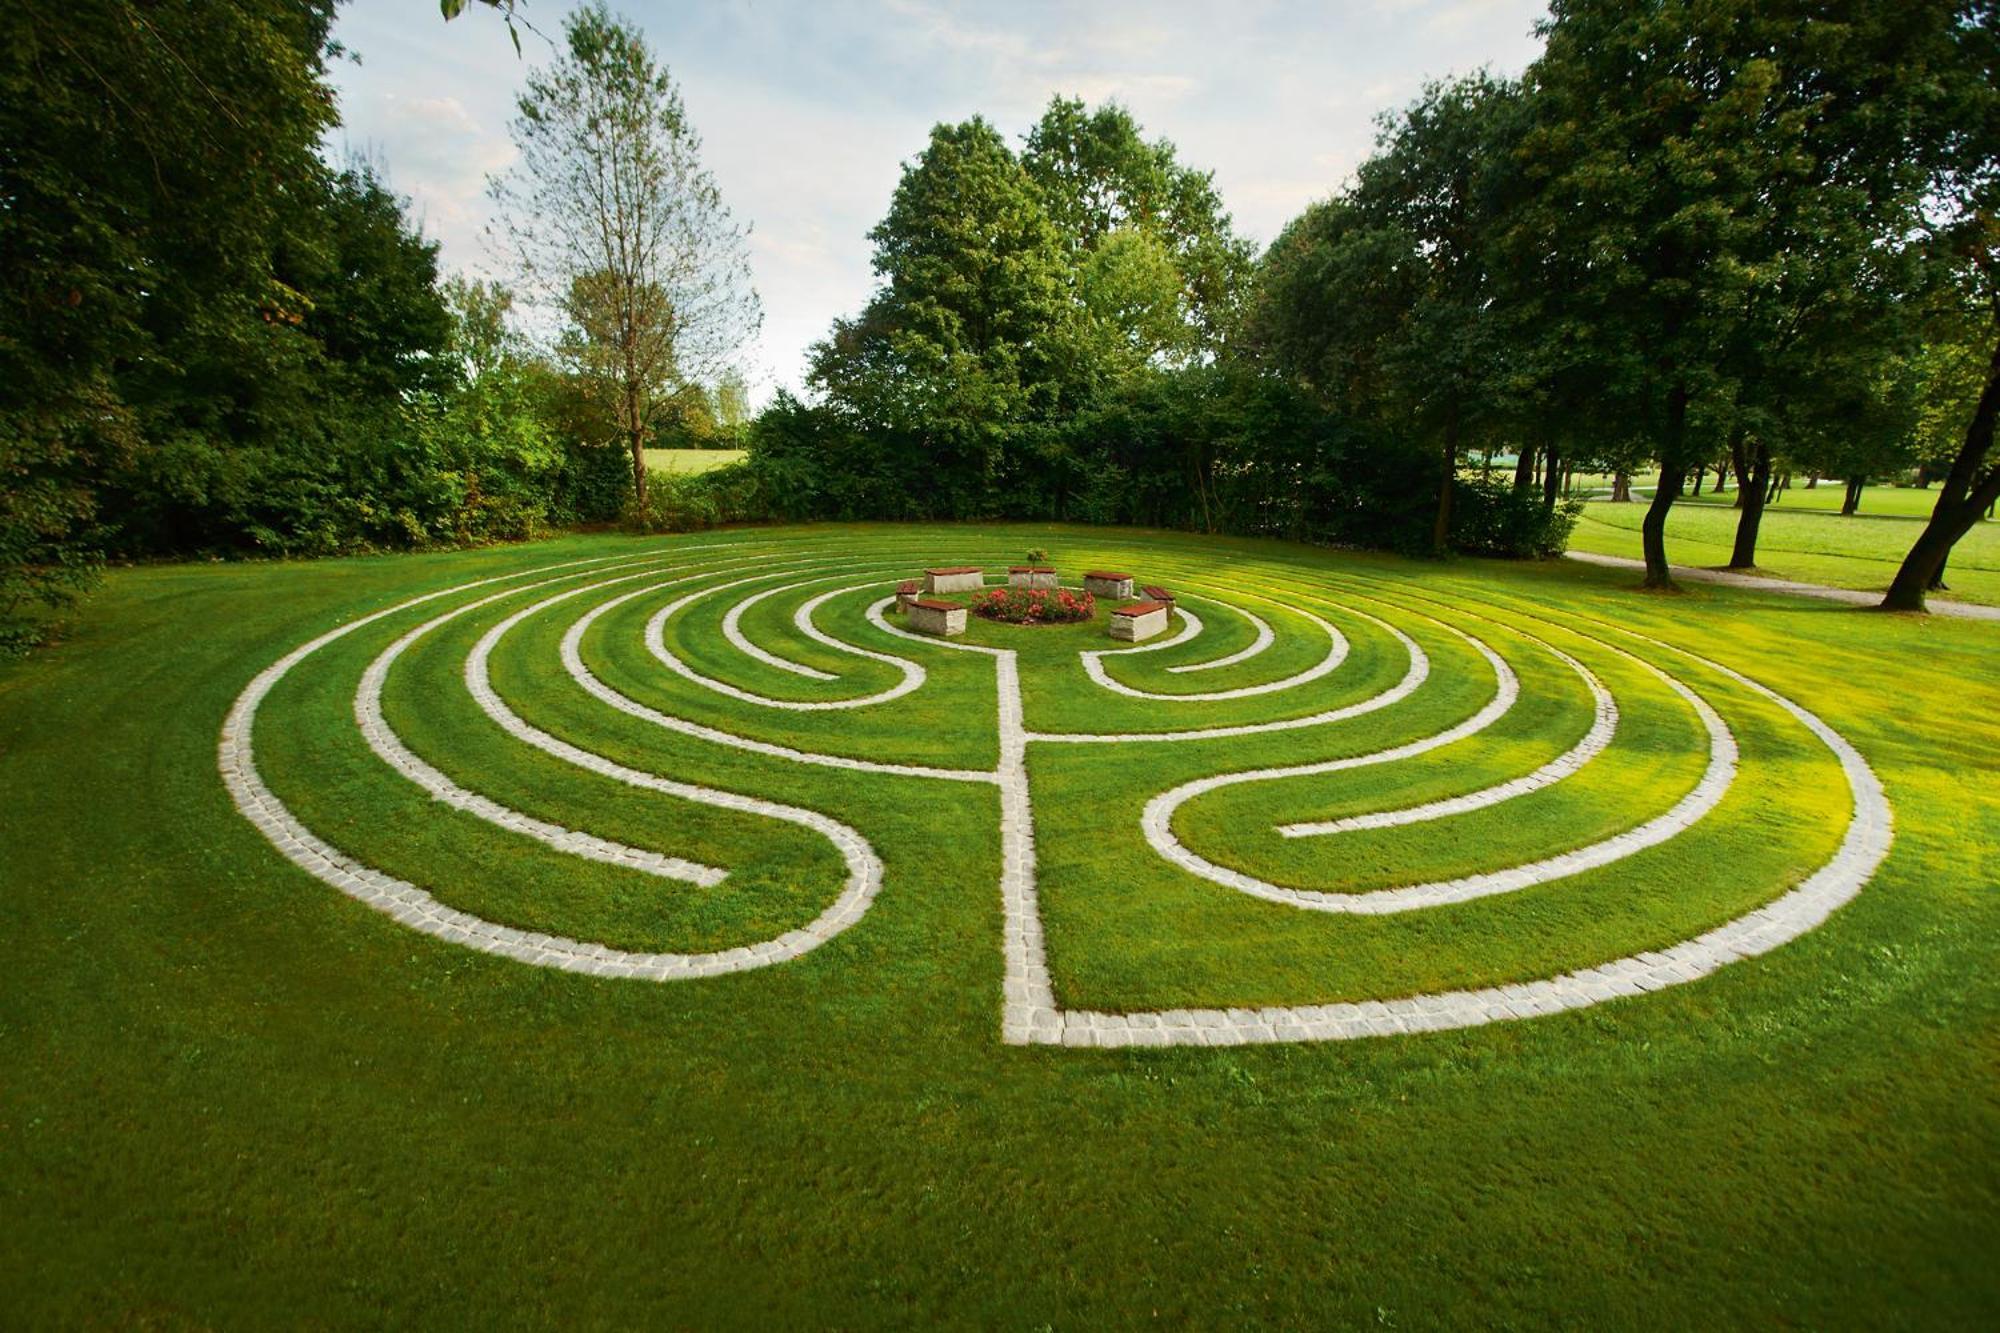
(1491, 517)
(1207, 449)
(691, 501)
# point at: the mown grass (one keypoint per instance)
(231, 1096)
(691, 460)
(1811, 545)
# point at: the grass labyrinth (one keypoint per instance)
(1315, 809)
(638, 925)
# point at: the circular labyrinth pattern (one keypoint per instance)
(1323, 805)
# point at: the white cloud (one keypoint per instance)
(809, 109)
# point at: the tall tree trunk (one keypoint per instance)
(1851, 501)
(1812, 481)
(1551, 476)
(1673, 473)
(1441, 530)
(639, 473)
(1750, 497)
(1721, 475)
(1524, 468)
(1700, 472)
(1965, 495)
(1621, 488)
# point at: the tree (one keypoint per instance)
(1137, 222)
(973, 333)
(616, 224)
(1443, 179)
(1661, 139)
(1387, 300)
(1815, 363)
(1965, 238)
(154, 162)
(732, 404)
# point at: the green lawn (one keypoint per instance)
(1812, 545)
(691, 460)
(232, 1094)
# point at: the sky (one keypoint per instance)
(808, 110)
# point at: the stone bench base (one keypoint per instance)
(1103, 583)
(1141, 620)
(1026, 576)
(957, 578)
(933, 617)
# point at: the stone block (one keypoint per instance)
(1030, 576)
(1139, 620)
(1104, 583)
(930, 616)
(953, 578)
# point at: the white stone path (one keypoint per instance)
(421, 911)
(1265, 638)
(1703, 798)
(1030, 1013)
(1336, 653)
(1603, 725)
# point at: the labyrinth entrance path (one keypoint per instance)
(1326, 804)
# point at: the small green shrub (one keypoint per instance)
(1491, 517)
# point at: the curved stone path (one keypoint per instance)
(1730, 578)
(1030, 1012)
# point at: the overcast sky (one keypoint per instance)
(809, 109)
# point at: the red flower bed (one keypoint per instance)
(1034, 606)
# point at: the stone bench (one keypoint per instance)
(907, 592)
(954, 578)
(1030, 576)
(1153, 592)
(1139, 620)
(930, 616)
(1104, 583)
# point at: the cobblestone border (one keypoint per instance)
(1337, 650)
(1694, 806)
(732, 630)
(1413, 678)
(1031, 1016)
(1603, 726)
(1265, 638)
(389, 747)
(420, 911)
(1030, 1013)
(656, 643)
(579, 671)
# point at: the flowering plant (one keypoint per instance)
(1035, 606)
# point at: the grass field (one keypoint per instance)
(234, 1093)
(691, 460)
(1813, 545)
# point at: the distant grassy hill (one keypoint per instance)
(691, 460)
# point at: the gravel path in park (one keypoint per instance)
(1761, 583)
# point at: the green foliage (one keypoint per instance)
(1491, 517)
(970, 338)
(616, 226)
(1162, 272)
(154, 162)
(691, 501)
(50, 549)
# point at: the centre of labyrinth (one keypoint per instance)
(1321, 805)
